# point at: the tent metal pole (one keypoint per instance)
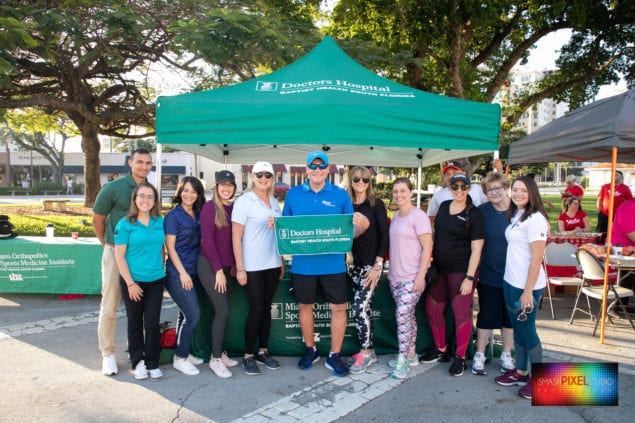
(158, 167)
(608, 244)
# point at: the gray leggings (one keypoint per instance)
(220, 301)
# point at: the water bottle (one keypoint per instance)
(50, 230)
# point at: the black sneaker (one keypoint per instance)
(457, 367)
(334, 362)
(435, 356)
(266, 359)
(250, 366)
(310, 356)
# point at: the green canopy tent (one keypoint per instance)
(326, 100)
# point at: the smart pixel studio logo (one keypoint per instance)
(266, 86)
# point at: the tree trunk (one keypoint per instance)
(91, 148)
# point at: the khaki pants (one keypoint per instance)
(110, 298)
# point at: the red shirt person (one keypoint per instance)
(621, 195)
(572, 190)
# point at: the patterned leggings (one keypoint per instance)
(406, 301)
(362, 297)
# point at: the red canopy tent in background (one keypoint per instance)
(595, 132)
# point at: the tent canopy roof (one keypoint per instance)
(585, 134)
(326, 100)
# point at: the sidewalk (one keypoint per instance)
(51, 372)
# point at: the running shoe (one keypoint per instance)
(478, 364)
(511, 379)
(435, 356)
(310, 356)
(334, 362)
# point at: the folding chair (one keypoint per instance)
(592, 269)
(561, 268)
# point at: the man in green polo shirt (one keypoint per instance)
(112, 203)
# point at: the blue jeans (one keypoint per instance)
(188, 303)
(526, 341)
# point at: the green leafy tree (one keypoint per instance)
(466, 49)
(47, 134)
(240, 40)
(84, 58)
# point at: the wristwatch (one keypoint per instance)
(469, 277)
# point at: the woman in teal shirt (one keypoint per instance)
(140, 256)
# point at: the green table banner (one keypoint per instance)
(323, 234)
(285, 335)
(57, 265)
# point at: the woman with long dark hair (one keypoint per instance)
(183, 244)
(524, 277)
(459, 235)
(368, 252)
(139, 252)
(216, 265)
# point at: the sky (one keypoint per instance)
(544, 56)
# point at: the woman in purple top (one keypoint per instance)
(216, 265)
(183, 244)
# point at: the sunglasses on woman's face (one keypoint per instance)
(356, 179)
(314, 166)
(267, 175)
(456, 187)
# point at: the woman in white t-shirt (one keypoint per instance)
(524, 278)
(410, 251)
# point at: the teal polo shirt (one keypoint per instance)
(144, 248)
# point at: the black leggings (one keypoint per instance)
(220, 301)
(260, 288)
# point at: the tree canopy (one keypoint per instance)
(467, 48)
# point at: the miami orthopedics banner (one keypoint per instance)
(323, 234)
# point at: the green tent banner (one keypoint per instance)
(322, 234)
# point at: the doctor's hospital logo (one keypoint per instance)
(266, 86)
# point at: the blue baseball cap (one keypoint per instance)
(317, 154)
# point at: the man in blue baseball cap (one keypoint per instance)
(328, 271)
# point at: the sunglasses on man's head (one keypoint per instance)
(456, 187)
(356, 179)
(314, 166)
(265, 174)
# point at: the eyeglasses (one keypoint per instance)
(356, 179)
(456, 187)
(145, 197)
(267, 175)
(314, 166)
(528, 309)
(493, 190)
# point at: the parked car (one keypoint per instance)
(280, 190)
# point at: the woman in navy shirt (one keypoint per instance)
(183, 243)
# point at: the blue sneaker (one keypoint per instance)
(334, 362)
(310, 356)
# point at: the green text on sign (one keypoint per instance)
(323, 234)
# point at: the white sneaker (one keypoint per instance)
(109, 365)
(507, 363)
(184, 366)
(140, 372)
(195, 360)
(218, 367)
(478, 364)
(155, 373)
(228, 361)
